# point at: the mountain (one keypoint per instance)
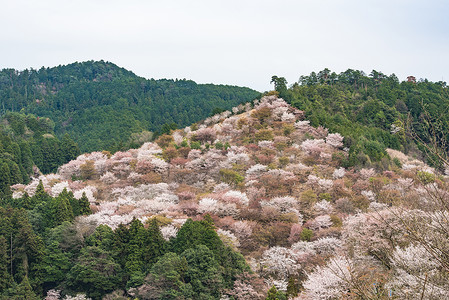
(368, 108)
(100, 105)
(188, 215)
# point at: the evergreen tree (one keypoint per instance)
(5, 277)
(274, 294)
(203, 272)
(84, 205)
(27, 160)
(26, 201)
(155, 245)
(167, 279)
(102, 237)
(15, 175)
(55, 264)
(5, 182)
(194, 233)
(62, 209)
(135, 264)
(24, 291)
(40, 195)
(69, 149)
(95, 272)
(120, 243)
(292, 288)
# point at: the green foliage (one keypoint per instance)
(306, 235)
(46, 251)
(280, 85)
(167, 279)
(325, 196)
(363, 109)
(264, 135)
(24, 291)
(194, 233)
(425, 177)
(397, 162)
(195, 145)
(274, 294)
(5, 277)
(94, 272)
(219, 145)
(231, 176)
(55, 263)
(25, 141)
(101, 105)
(203, 272)
(292, 288)
(5, 181)
(63, 211)
(24, 250)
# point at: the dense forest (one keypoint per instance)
(101, 105)
(41, 248)
(27, 141)
(303, 198)
(367, 109)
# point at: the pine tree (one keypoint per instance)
(40, 195)
(5, 181)
(274, 294)
(120, 245)
(5, 277)
(84, 205)
(292, 288)
(15, 173)
(135, 262)
(27, 160)
(26, 201)
(69, 149)
(155, 243)
(63, 210)
(24, 291)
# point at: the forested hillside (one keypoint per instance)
(250, 204)
(27, 141)
(100, 105)
(366, 109)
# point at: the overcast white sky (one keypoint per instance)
(228, 41)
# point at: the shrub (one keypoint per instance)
(231, 176)
(306, 235)
(425, 177)
(195, 145)
(264, 135)
(165, 140)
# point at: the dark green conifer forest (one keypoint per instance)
(100, 104)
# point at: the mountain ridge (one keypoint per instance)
(112, 101)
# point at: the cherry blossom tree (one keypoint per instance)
(330, 281)
(313, 147)
(53, 294)
(321, 222)
(279, 262)
(335, 140)
(108, 178)
(169, 232)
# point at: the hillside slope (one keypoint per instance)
(366, 108)
(100, 104)
(27, 141)
(275, 190)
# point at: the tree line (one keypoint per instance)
(373, 111)
(100, 105)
